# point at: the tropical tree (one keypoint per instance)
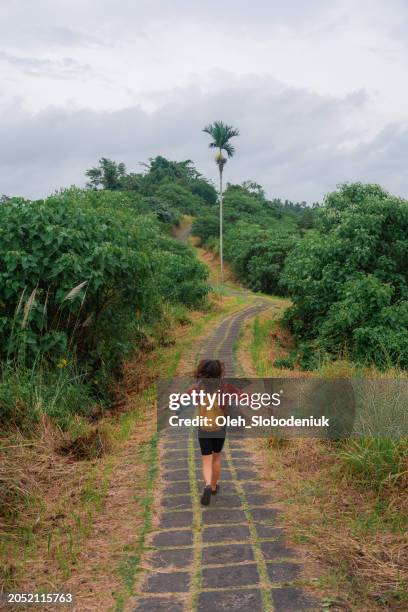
(221, 133)
(107, 174)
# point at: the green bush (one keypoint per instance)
(206, 226)
(81, 266)
(348, 279)
(73, 265)
(257, 256)
(179, 198)
(258, 234)
(181, 278)
(204, 190)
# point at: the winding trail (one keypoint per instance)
(231, 555)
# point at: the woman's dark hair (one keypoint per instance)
(209, 368)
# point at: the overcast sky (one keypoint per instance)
(318, 89)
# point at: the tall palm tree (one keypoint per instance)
(221, 134)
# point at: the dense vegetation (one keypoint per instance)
(343, 264)
(258, 234)
(348, 279)
(87, 276)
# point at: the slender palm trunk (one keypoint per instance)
(221, 245)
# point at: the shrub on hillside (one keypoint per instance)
(206, 226)
(257, 256)
(179, 198)
(77, 270)
(349, 279)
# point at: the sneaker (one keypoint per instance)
(217, 490)
(206, 496)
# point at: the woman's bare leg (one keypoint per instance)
(216, 470)
(207, 468)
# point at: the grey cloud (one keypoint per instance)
(64, 36)
(104, 19)
(65, 68)
(290, 141)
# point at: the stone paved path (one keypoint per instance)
(231, 555)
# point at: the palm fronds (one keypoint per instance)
(221, 134)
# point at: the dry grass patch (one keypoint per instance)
(355, 535)
(212, 261)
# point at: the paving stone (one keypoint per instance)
(225, 475)
(176, 454)
(267, 531)
(246, 474)
(239, 454)
(171, 447)
(254, 487)
(167, 582)
(176, 434)
(229, 553)
(258, 499)
(240, 600)
(177, 442)
(230, 575)
(227, 501)
(266, 515)
(289, 599)
(176, 519)
(235, 443)
(157, 604)
(172, 557)
(175, 464)
(283, 572)
(276, 549)
(183, 537)
(212, 516)
(176, 438)
(178, 465)
(177, 431)
(226, 533)
(176, 488)
(176, 475)
(177, 502)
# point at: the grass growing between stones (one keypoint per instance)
(259, 558)
(197, 527)
(334, 506)
(130, 565)
(91, 509)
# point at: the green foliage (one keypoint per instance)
(349, 278)
(221, 134)
(84, 275)
(107, 174)
(375, 462)
(158, 172)
(204, 190)
(72, 240)
(206, 226)
(163, 211)
(179, 198)
(181, 278)
(27, 394)
(259, 260)
(258, 235)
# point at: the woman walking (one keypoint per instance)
(211, 436)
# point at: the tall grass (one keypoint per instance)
(376, 463)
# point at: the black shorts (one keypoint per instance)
(211, 445)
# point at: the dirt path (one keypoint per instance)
(231, 555)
